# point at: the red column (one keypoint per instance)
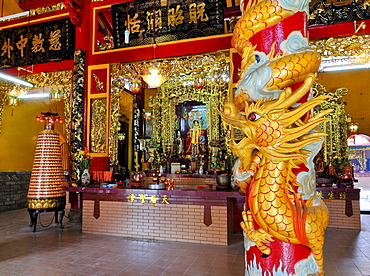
(284, 256)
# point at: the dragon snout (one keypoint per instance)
(231, 111)
(232, 116)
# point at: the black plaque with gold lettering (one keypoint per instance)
(141, 22)
(325, 12)
(37, 43)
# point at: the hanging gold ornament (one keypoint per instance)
(153, 78)
(12, 101)
(135, 85)
(56, 94)
(12, 98)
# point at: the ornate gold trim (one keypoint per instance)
(115, 99)
(98, 122)
(47, 203)
(335, 143)
(355, 47)
(99, 83)
(44, 19)
(172, 43)
(77, 111)
(213, 68)
(94, 26)
(4, 87)
(46, 9)
(94, 137)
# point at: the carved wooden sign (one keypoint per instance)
(335, 11)
(38, 43)
(142, 22)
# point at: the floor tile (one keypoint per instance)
(54, 251)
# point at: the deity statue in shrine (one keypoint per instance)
(196, 139)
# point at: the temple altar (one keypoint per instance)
(186, 214)
(206, 216)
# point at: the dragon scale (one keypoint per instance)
(279, 129)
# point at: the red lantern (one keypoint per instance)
(147, 115)
(56, 94)
(49, 118)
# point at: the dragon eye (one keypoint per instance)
(258, 59)
(254, 117)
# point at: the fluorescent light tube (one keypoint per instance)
(16, 80)
(26, 13)
(344, 67)
(38, 95)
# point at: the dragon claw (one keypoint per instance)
(259, 236)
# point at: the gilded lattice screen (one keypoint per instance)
(335, 144)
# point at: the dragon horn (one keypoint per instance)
(291, 116)
(321, 114)
(287, 99)
(294, 133)
(293, 147)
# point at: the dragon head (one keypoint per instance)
(276, 128)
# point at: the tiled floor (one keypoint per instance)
(53, 251)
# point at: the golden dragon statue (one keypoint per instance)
(281, 135)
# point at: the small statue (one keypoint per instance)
(179, 144)
(196, 139)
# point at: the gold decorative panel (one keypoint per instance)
(355, 45)
(115, 98)
(343, 51)
(169, 96)
(98, 110)
(98, 125)
(335, 144)
(4, 88)
(77, 112)
(47, 9)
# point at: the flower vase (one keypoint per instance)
(85, 177)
